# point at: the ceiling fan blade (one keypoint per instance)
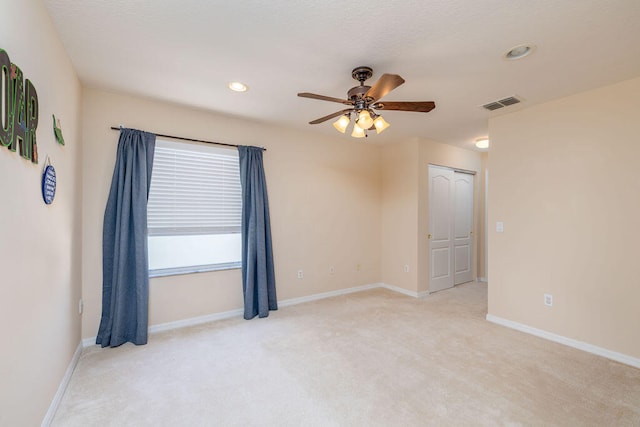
(385, 84)
(324, 98)
(419, 107)
(330, 116)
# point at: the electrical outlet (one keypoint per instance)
(548, 300)
(406, 268)
(300, 274)
(332, 270)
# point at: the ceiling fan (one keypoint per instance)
(364, 103)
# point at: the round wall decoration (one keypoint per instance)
(49, 184)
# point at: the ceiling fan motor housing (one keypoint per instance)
(356, 94)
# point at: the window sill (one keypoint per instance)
(162, 272)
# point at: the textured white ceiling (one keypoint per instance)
(448, 51)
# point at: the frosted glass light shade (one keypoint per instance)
(482, 142)
(358, 132)
(364, 119)
(380, 124)
(342, 123)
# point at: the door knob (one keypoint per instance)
(429, 236)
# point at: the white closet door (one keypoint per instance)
(441, 205)
(463, 227)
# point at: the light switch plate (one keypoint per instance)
(499, 226)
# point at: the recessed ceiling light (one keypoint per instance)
(238, 87)
(519, 51)
(482, 143)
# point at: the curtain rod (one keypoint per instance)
(188, 139)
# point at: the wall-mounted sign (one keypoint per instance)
(49, 183)
(57, 131)
(19, 110)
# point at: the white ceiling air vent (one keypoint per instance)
(502, 103)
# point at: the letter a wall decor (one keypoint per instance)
(19, 119)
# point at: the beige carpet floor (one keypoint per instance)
(374, 358)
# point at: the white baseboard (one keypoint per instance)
(53, 407)
(404, 291)
(315, 297)
(590, 348)
(195, 321)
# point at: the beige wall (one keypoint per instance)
(40, 262)
(481, 224)
(324, 193)
(405, 207)
(564, 180)
(399, 208)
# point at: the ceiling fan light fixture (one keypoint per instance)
(358, 132)
(342, 123)
(364, 119)
(380, 124)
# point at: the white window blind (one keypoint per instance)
(195, 189)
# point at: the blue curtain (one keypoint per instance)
(258, 278)
(125, 266)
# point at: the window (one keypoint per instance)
(194, 209)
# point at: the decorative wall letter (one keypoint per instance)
(20, 106)
(6, 127)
